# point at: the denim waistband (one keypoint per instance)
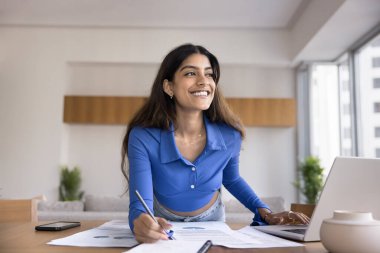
(214, 213)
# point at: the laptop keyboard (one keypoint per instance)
(296, 230)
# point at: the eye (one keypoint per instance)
(210, 75)
(191, 73)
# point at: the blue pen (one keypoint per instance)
(170, 232)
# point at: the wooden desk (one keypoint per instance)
(21, 237)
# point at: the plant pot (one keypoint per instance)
(306, 209)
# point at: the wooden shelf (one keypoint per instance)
(264, 112)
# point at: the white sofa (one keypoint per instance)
(91, 208)
(110, 208)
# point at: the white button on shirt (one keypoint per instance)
(192, 186)
(193, 168)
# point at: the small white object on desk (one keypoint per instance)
(351, 232)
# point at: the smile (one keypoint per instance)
(200, 93)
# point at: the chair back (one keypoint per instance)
(18, 210)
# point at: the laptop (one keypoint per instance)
(352, 184)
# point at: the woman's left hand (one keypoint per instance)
(286, 218)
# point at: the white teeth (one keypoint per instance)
(199, 93)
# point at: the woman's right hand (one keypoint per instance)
(146, 230)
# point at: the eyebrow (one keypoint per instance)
(192, 67)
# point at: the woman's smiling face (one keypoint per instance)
(193, 85)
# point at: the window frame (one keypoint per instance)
(304, 103)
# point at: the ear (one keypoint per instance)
(168, 88)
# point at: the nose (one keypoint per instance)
(202, 79)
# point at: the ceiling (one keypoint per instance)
(275, 14)
(317, 29)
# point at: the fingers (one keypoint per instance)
(288, 218)
(298, 218)
(277, 220)
(274, 219)
(144, 239)
(164, 223)
(146, 230)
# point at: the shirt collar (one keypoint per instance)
(169, 151)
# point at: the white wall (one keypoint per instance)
(39, 65)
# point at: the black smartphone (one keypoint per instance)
(57, 226)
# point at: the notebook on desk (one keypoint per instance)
(352, 184)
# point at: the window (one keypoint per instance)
(346, 152)
(344, 105)
(347, 133)
(376, 42)
(368, 104)
(376, 62)
(346, 108)
(345, 85)
(377, 132)
(324, 113)
(376, 107)
(376, 83)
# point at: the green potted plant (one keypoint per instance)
(70, 182)
(310, 182)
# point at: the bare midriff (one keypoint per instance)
(198, 211)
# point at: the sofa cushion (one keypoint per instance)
(71, 206)
(106, 204)
(276, 204)
(237, 213)
(81, 216)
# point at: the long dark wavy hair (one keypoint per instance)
(159, 110)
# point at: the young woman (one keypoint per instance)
(183, 145)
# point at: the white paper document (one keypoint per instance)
(174, 246)
(196, 233)
(218, 232)
(115, 233)
(190, 236)
(266, 240)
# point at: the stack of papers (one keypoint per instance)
(190, 236)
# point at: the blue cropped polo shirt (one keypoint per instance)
(156, 168)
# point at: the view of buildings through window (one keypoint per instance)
(324, 113)
(368, 98)
(345, 113)
(346, 110)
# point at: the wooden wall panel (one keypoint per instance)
(100, 110)
(265, 112)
